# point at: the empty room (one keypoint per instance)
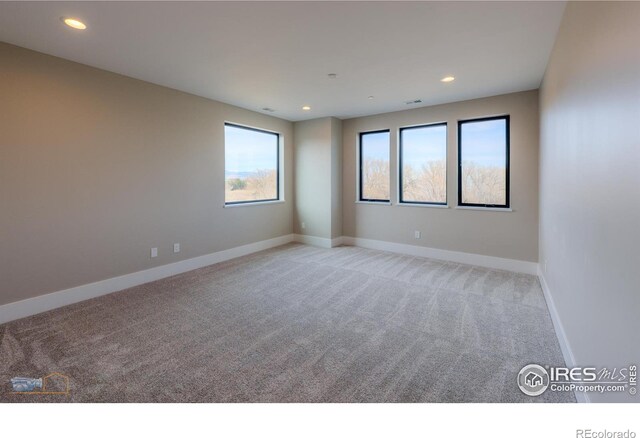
(320, 203)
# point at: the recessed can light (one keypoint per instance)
(370, 97)
(448, 79)
(306, 108)
(332, 75)
(76, 24)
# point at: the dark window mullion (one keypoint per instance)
(278, 167)
(361, 190)
(461, 181)
(400, 161)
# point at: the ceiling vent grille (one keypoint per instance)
(413, 102)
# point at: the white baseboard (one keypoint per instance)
(560, 333)
(322, 242)
(519, 266)
(43, 303)
(54, 300)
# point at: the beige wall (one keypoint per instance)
(318, 177)
(590, 182)
(97, 168)
(512, 235)
(312, 139)
(336, 178)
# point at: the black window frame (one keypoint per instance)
(507, 120)
(263, 131)
(400, 185)
(360, 136)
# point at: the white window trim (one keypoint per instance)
(463, 207)
(251, 204)
(375, 202)
(416, 204)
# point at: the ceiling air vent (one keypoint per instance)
(269, 110)
(413, 102)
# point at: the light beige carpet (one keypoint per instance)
(295, 324)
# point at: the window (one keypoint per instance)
(423, 164)
(252, 165)
(483, 162)
(374, 166)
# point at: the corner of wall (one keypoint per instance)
(318, 178)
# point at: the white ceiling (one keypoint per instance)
(278, 54)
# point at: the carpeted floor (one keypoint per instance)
(295, 324)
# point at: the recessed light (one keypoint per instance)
(76, 24)
(306, 108)
(370, 97)
(448, 79)
(332, 75)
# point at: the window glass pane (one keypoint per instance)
(424, 164)
(374, 166)
(251, 165)
(483, 154)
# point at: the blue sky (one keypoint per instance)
(484, 143)
(375, 146)
(248, 151)
(420, 145)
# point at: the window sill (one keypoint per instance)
(484, 208)
(413, 204)
(374, 202)
(249, 204)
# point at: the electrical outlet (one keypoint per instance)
(303, 225)
(154, 252)
(416, 234)
(176, 247)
